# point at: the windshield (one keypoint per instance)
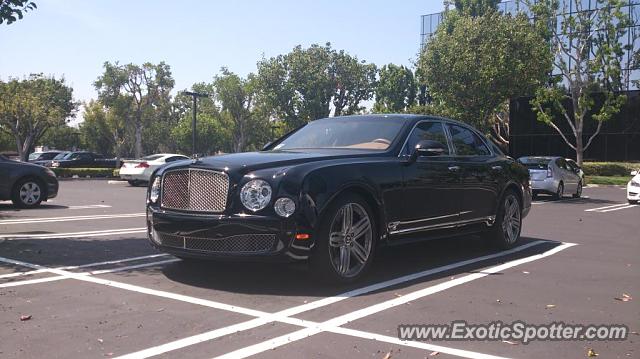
(35, 155)
(535, 163)
(352, 133)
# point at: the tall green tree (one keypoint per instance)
(13, 10)
(473, 66)
(589, 54)
(396, 89)
(307, 83)
(32, 106)
(63, 137)
(97, 133)
(236, 97)
(143, 89)
(476, 8)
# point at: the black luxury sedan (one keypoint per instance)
(336, 190)
(26, 184)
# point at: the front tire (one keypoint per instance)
(505, 232)
(578, 193)
(345, 241)
(28, 193)
(559, 192)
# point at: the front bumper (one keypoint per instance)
(225, 237)
(633, 193)
(52, 187)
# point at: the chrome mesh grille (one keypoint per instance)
(242, 243)
(195, 190)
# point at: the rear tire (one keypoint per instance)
(505, 232)
(345, 241)
(559, 192)
(578, 193)
(28, 193)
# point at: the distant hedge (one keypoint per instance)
(609, 168)
(84, 172)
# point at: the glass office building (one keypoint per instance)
(429, 24)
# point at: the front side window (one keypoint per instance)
(426, 131)
(344, 133)
(466, 142)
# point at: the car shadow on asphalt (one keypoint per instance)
(294, 279)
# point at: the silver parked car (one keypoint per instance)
(553, 175)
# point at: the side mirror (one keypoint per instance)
(267, 145)
(428, 148)
(634, 173)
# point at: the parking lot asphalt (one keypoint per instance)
(81, 274)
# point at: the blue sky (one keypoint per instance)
(73, 38)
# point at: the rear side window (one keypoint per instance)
(426, 131)
(466, 142)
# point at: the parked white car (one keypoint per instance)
(633, 188)
(139, 171)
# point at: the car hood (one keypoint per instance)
(252, 161)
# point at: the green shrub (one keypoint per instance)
(84, 172)
(609, 168)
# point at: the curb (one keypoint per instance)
(117, 182)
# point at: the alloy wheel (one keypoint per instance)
(511, 221)
(30, 193)
(350, 240)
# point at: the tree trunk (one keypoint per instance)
(138, 134)
(579, 147)
(21, 153)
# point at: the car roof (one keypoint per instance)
(404, 117)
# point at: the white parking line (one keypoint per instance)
(68, 219)
(108, 232)
(187, 341)
(89, 265)
(284, 316)
(90, 206)
(365, 312)
(619, 208)
(613, 207)
(63, 275)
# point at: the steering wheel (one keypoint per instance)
(382, 140)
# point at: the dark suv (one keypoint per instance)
(26, 184)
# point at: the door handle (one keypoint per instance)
(454, 168)
(496, 168)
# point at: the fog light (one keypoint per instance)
(284, 207)
(154, 193)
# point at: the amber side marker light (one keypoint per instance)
(302, 236)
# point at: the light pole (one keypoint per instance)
(195, 96)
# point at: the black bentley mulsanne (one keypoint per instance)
(336, 190)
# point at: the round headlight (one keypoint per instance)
(284, 207)
(255, 195)
(154, 193)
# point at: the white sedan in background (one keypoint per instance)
(633, 188)
(139, 171)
